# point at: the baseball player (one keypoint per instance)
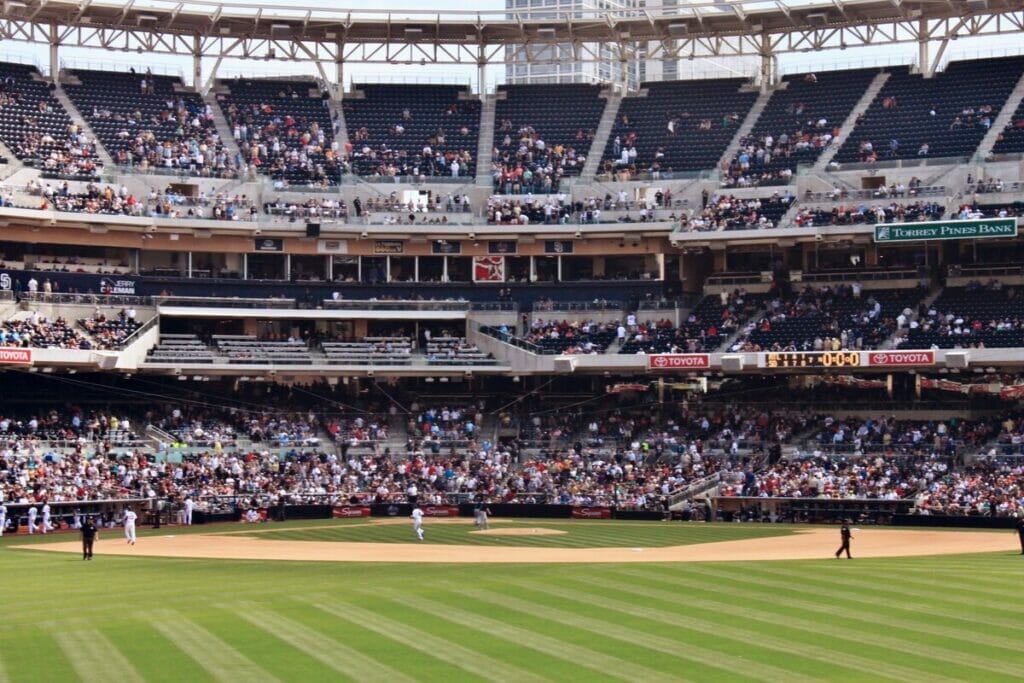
(417, 522)
(89, 534)
(186, 513)
(47, 527)
(129, 525)
(480, 513)
(3, 518)
(32, 514)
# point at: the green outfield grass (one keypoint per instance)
(124, 618)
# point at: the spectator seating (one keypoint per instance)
(250, 350)
(456, 351)
(726, 212)
(399, 130)
(151, 123)
(950, 112)
(174, 348)
(110, 333)
(33, 330)
(284, 129)
(991, 316)
(800, 120)
(829, 319)
(37, 128)
(703, 116)
(543, 133)
(706, 327)
(862, 214)
(370, 350)
(1011, 139)
(561, 337)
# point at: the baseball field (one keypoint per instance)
(527, 601)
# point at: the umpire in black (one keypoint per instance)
(88, 537)
(1020, 531)
(845, 535)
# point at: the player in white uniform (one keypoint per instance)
(129, 525)
(47, 527)
(3, 518)
(417, 522)
(186, 513)
(32, 514)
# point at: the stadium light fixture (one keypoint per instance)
(678, 29)
(280, 27)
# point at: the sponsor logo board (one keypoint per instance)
(679, 361)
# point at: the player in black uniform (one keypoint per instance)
(1020, 532)
(844, 533)
(88, 537)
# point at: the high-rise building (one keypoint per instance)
(558, 63)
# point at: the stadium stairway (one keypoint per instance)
(76, 116)
(1002, 119)
(862, 106)
(338, 117)
(601, 134)
(223, 128)
(753, 114)
(484, 144)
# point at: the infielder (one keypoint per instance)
(47, 527)
(186, 512)
(480, 512)
(32, 514)
(129, 525)
(3, 518)
(417, 522)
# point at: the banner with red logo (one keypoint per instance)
(591, 513)
(15, 356)
(346, 511)
(440, 510)
(679, 361)
(895, 359)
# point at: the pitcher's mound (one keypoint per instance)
(520, 531)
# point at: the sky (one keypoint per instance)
(796, 63)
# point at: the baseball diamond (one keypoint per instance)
(511, 341)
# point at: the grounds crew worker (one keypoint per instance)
(89, 532)
(844, 533)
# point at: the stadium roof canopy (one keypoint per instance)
(698, 28)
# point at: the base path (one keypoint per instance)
(805, 544)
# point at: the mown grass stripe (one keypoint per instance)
(586, 658)
(714, 659)
(723, 627)
(94, 657)
(319, 646)
(875, 622)
(4, 678)
(477, 664)
(220, 660)
(813, 657)
(922, 621)
(155, 657)
(783, 618)
(883, 585)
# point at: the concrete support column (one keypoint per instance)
(188, 274)
(245, 266)
(767, 70)
(197, 62)
(54, 55)
(924, 62)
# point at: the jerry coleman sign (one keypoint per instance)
(679, 361)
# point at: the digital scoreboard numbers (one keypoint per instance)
(812, 359)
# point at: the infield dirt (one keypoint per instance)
(804, 544)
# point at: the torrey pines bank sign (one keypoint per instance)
(946, 230)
